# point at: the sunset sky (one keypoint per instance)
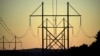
(15, 14)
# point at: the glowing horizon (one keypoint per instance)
(15, 14)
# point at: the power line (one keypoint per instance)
(36, 9)
(81, 30)
(6, 27)
(36, 2)
(74, 9)
(25, 33)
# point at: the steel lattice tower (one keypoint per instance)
(56, 39)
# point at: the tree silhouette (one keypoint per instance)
(96, 44)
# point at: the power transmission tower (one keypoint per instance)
(56, 39)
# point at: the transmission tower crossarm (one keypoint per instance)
(56, 27)
(11, 42)
(52, 15)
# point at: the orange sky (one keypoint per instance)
(15, 14)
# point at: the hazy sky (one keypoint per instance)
(15, 14)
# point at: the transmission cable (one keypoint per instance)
(74, 9)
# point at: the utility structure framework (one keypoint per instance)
(10, 42)
(5, 40)
(50, 39)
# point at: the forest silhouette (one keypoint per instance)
(83, 50)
